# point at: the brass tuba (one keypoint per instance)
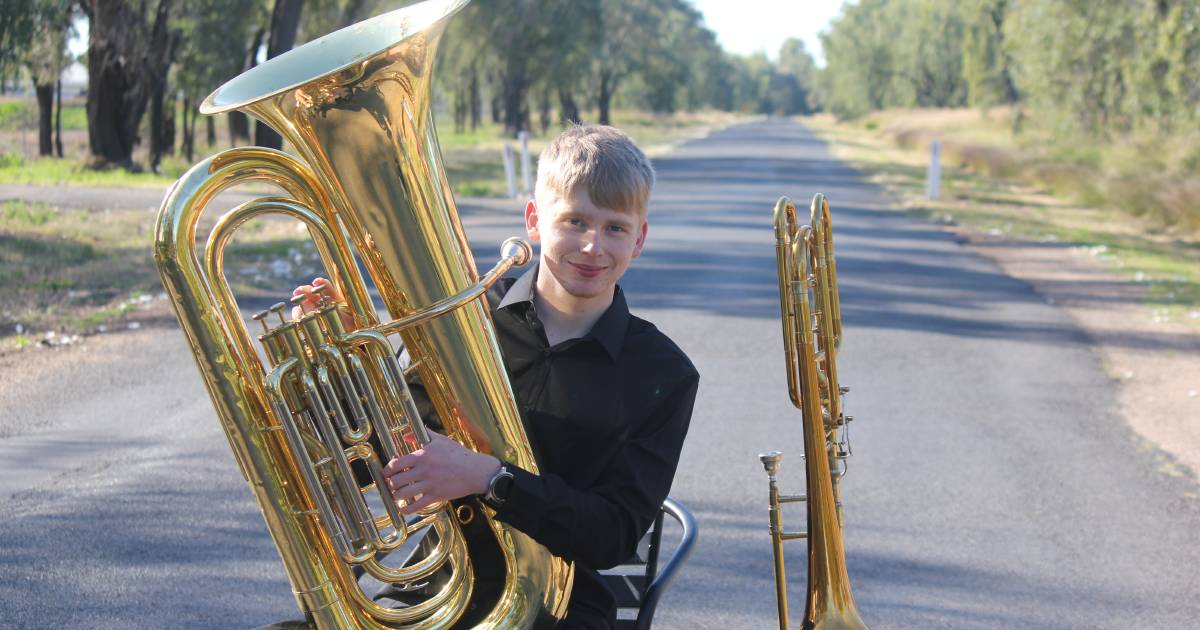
(812, 332)
(369, 185)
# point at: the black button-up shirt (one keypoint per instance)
(607, 414)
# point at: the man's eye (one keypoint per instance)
(619, 229)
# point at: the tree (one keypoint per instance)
(626, 28)
(204, 61)
(128, 58)
(285, 22)
(41, 46)
(797, 65)
(859, 60)
(986, 61)
(18, 21)
(523, 38)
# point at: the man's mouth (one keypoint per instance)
(587, 271)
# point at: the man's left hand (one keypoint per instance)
(441, 471)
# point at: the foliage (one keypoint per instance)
(1080, 66)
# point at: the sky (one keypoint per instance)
(748, 26)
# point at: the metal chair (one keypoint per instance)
(638, 583)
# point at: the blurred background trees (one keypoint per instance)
(525, 64)
(1073, 65)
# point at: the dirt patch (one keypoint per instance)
(1154, 362)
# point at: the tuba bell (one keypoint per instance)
(812, 333)
(314, 416)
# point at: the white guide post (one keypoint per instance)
(509, 173)
(933, 186)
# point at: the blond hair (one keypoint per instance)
(616, 173)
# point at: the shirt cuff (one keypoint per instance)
(525, 501)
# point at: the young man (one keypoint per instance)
(606, 398)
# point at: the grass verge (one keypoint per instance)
(66, 272)
(73, 271)
(991, 184)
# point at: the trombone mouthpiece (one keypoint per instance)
(771, 461)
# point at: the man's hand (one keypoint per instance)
(441, 471)
(312, 302)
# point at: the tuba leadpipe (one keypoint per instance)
(812, 333)
(302, 417)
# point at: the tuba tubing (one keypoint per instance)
(368, 183)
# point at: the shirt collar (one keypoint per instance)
(608, 331)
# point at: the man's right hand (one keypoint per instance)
(312, 301)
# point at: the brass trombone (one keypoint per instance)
(812, 332)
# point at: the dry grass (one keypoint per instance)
(69, 271)
(1150, 175)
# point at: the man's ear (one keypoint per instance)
(531, 220)
(641, 240)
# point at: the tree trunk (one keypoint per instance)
(476, 105)
(156, 128)
(116, 90)
(608, 85)
(460, 107)
(126, 57)
(45, 100)
(544, 110)
(58, 148)
(210, 124)
(169, 123)
(188, 130)
(568, 110)
(497, 108)
(514, 87)
(285, 22)
(239, 123)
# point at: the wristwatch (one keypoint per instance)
(498, 489)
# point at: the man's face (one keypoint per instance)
(586, 248)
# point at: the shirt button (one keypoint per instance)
(546, 353)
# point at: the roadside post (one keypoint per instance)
(509, 174)
(933, 179)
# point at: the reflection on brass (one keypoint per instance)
(368, 184)
(812, 332)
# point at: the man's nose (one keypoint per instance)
(591, 242)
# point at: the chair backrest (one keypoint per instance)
(639, 582)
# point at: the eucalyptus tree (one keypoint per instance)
(799, 70)
(987, 62)
(129, 53)
(859, 59)
(215, 36)
(45, 56)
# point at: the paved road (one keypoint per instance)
(992, 484)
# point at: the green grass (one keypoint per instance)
(73, 172)
(1133, 243)
(23, 113)
(70, 270)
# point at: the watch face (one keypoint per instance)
(503, 486)
(499, 489)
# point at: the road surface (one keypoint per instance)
(992, 483)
